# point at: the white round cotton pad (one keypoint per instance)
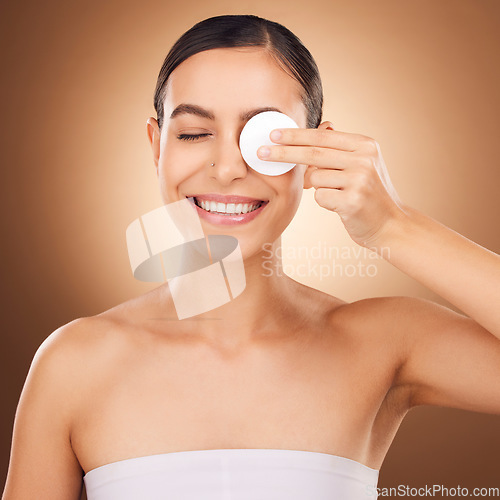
(256, 134)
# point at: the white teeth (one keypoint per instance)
(229, 208)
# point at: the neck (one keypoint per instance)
(257, 311)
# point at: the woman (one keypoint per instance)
(283, 392)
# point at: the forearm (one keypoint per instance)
(459, 270)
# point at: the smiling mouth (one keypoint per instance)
(234, 206)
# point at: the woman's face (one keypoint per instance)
(209, 98)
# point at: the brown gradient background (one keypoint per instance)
(421, 77)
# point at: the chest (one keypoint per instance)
(305, 399)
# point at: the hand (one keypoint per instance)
(349, 175)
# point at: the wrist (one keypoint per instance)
(393, 230)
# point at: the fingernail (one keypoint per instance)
(275, 135)
(263, 152)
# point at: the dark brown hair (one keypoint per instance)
(247, 31)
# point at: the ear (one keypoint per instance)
(153, 131)
(310, 168)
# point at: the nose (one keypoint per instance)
(227, 165)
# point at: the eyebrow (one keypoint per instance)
(193, 109)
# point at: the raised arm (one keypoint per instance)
(42, 463)
(453, 360)
(459, 270)
(450, 359)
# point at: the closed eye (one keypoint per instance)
(191, 137)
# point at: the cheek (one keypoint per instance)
(288, 188)
(179, 162)
(295, 185)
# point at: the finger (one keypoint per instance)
(343, 141)
(330, 199)
(323, 178)
(308, 155)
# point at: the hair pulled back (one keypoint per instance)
(247, 31)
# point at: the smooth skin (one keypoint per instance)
(283, 365)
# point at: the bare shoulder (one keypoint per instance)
(375, 319)
(108, 333)
(79, 354)
(42, 453)
(390, 326)
(445, 358)
(91, 349)
(396, 324)
(64, 361)
(390, 315)
(78, 341)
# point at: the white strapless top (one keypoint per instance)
(233, 474)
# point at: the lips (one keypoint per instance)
(227, 209)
